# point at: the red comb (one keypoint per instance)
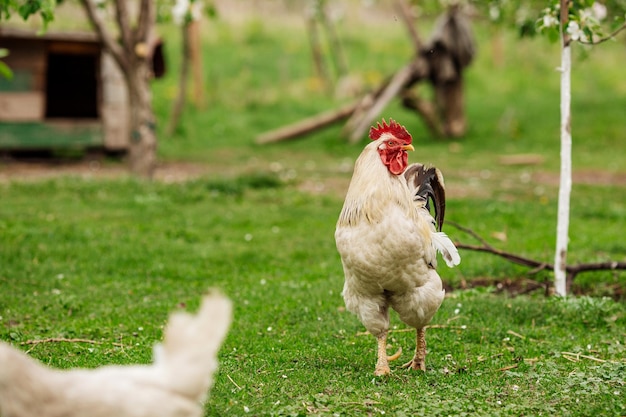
(393, 128)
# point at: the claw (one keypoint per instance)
(382, 370)
(396, 355)
(415, 365)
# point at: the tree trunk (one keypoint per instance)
(565, 186)
(334, 45)
(316, 52)
(451, 103)
(143, 140)
(131, 49)
(179, 103)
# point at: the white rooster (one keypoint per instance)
(175, 385)
(388, 240)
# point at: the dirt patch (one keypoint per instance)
(514, 287)
(588, 177)
(94, 168)
(458, 184)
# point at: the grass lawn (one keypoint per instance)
(106, 259)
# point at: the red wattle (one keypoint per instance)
(396, 163)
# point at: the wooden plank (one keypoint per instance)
(75, 48)
(22, 81)
(21, 106)
(18, 33)
(114, 106)
(24, 53)
(27, 60)
(50, 135)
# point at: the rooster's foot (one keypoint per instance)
(416, 364)
(382, 370)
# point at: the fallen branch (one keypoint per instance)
(572, 270)
(512, 333)
(508, 368)
(481, 358)
(64, 340)
(36, 342)
(575, 357)
(307, 125)
(234, 383)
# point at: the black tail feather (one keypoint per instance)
(427, 184)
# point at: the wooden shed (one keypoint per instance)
(66, 92)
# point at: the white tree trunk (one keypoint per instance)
(565, 186)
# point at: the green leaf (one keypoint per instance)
(5, 71)
(29, 8)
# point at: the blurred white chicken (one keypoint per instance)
(175, 385)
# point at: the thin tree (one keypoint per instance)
(131, 51)
(578, 21)
(565, 184)
(187, 15)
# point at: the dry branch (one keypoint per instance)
(397, 83)
(65, 340)
(606, 38)
(234, 383)
(37, 342)
(307, 125)
(575, 357)
(404, 9)
(572, 270)
(424, 108)
(512, 333)
(110, 43)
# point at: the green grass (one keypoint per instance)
(108, 259)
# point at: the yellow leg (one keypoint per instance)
(382, 364)
(419, 360)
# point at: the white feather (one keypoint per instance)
(446, 248)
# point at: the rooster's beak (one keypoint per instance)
(408, 147)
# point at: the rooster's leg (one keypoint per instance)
(382, 364)
(419, 360)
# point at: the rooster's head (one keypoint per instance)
(394, 140)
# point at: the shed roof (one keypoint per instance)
(16, 33)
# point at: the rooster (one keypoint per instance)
(174, 386)
(388, 240)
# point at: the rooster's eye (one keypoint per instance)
(391, 143)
